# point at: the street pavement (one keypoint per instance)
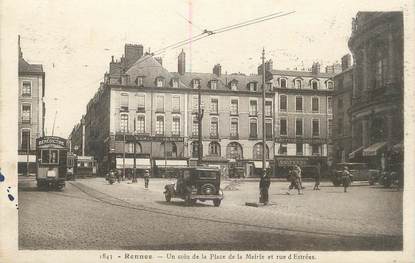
(92, 214)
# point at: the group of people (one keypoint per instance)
(115, 174)
(294, 176)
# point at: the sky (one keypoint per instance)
(74, 40)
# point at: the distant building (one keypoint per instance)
(31, 112)
(342, 122)
(303, 117)
(377, 105)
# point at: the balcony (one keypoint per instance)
(234, 136)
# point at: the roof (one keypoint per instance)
(25, 67)
(150, 69)
(295, 73)
(223, 81)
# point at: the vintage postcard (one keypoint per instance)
(206, 131)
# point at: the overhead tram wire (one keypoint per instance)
(225, 29)
(207, 33)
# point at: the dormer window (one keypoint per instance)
(297, 83)
(213, 84)
(234, 85)
(196, 83)
(139, 81)
(330, 84)
(314, 84)
(174, 83)
(283, 83)
(159, 82)
(253, 86)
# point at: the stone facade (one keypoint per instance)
(377, 106)
(31, 112)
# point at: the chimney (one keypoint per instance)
(346, 62)
(315, 68)
(20, 49)
(159, 60)
(132, 53)
(217, 70)
(181, 63)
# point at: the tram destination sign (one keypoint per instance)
(51, 140)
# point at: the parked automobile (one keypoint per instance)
(358, 171)
(196, 183)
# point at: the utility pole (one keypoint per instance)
(123, 156)
(135, 150)
(199, 128)
(263, 110)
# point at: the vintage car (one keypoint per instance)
(196, 183)
(358, 171)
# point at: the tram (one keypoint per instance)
(51, 156)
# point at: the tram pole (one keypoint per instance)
(135, 151)
(123, 156)
(199, 128)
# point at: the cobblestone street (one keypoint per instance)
(91, 214)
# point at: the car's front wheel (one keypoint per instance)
(216, 202)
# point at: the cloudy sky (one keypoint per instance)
(74, 40)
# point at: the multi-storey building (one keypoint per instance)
(143, 108)
(342, 102)
(146, 107)
(377, 105)
(303, 116)
(31, 112)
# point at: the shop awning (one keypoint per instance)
(258, 164)
(23, 158)
(171, 163)
(373, 149)
(140, 163)
(355, 152)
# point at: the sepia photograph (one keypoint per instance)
(206, 131)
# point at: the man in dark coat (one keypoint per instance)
(264, 184)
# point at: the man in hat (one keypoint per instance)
(146, 178)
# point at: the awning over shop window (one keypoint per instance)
(258, 164)
(140, 163)
(23, 158)
(373, 149)
(171, 163)
(355, 152)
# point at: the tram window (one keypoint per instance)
(45, 156)
(53, 156)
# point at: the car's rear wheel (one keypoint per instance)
(216, 202)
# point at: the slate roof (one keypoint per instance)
(25, 67)
(295, 73)
(151, 69)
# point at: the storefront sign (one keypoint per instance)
(51, 140)
(300, 140)
(284, 161)
(141, 138)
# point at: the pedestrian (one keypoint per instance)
(295, 179)
(346, 178)
(317, 179)
(146, 178)
(299, 176)
(117, 174)
(264, 184)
